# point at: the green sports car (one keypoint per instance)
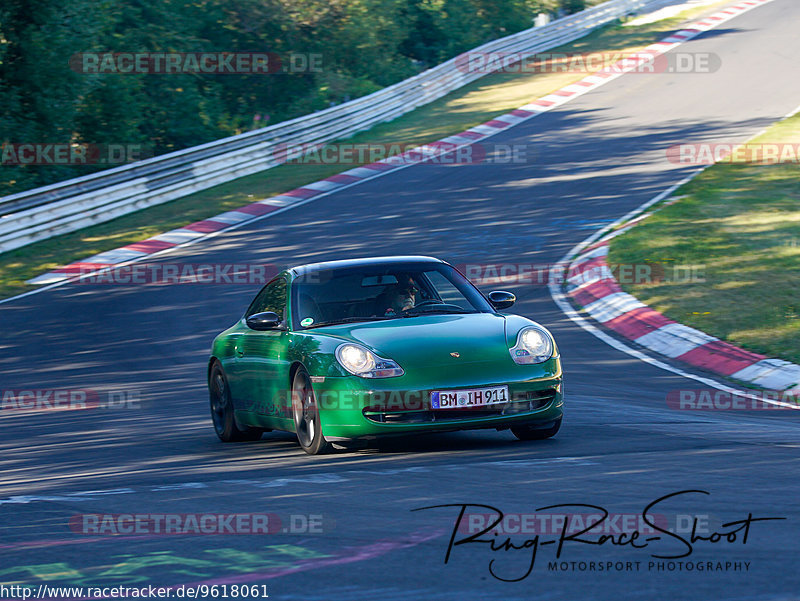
(364, 348)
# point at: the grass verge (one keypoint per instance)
(740, 222)
(469, 106)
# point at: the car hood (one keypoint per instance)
(432, 340)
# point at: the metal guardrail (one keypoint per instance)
(73, 204)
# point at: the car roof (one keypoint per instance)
(364, 261)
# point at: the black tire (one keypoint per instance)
(306, 415)
(222, 409)
(529, 432)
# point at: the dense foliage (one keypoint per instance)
(363, 45)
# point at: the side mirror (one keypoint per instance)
(501, 299)
(263, 321)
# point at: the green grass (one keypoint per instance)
(741, 222)
(471, 105)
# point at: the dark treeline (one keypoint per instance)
(361, 45)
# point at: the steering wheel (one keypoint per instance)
(430, 301)
(433, 301)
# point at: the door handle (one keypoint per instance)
(239, 351)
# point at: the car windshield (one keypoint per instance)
(379, 292)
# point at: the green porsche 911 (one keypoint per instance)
(364, 348)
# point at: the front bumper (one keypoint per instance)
(353, 408)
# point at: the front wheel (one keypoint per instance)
(529, 432)
(306, 415)
(222, 409)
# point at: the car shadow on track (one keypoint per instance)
(417, 443)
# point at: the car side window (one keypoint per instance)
(271, 298)
(447, 292)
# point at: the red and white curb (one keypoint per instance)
(261, 209)
(591, 285)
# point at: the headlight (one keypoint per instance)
(534, 345)
(362, 362)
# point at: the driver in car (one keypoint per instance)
(398, 297)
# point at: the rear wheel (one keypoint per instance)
(306, 415)
(530, 432)
(222, 409)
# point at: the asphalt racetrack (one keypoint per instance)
(353, 534)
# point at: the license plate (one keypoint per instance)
(469, 397)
